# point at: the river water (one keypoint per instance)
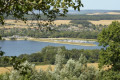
(15, 48)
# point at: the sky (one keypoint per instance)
(101, 4)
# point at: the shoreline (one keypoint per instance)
(56, 40)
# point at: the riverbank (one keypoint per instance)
(70, 41)
(60, 40)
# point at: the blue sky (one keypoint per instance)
(101, 4)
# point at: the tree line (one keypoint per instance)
(73, 17)
(52, 34)
(47, 55)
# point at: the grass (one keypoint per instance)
(103, 22)
(80, 39)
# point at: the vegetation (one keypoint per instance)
(50, 8)
(1, 52)
(19, 8)
(110, 55)
(12, 38)
(75, 17)
(72, 70)
(66, 68)
(47, 55)
(82, 22)
(110, 39)
(52, 34)
(82, 30)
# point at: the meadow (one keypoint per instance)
(103, 22)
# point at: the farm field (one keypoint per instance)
(22, 24)
(103, 22)
(108, 13)
(43, 67)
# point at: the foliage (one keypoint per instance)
(1, 52)
(50, 54)
(86, 34)
(50, 8)
(26, 72)
(13, 38)
(0, 37)
(72, 70)
(110, 39)
(18, 8)
(84, 23)
(110, 75)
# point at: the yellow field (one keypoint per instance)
(22, 24)
(103, 22)
(43, 67)
(4, 70)
(109, 13)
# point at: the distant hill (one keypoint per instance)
(91, 11)
(82, 15)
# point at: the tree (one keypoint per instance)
(50, 8)
(75, 70)
(109, 38)
(1, 52)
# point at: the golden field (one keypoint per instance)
(8, 69)
(103, 22)
(43, 67)
(109, 13)
(22, 24)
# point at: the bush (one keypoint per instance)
(110, 75)
(72, 70)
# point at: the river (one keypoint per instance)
(15, 48)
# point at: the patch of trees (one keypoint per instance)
(50, 34)
(47, 55)
(82, 22)
(89, 17)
